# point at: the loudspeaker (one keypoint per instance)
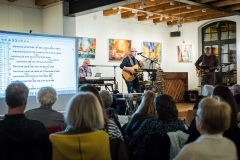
(190, 96)
(175, 34)
(121, 106)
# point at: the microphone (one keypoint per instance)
(140, 53)
(92, 65)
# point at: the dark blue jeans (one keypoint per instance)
(134, 85)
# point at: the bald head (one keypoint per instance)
(86, 62)
(133, 52)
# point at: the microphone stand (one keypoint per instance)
(151, 63)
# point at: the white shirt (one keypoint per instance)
(209, 147)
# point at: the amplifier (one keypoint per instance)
(190, 96)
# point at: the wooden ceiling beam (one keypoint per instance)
(110, 12)
(137, 5)
(183, 11)
(192, 15)
(225, 3)
(191, 2)
(157, 20)
(174, 12)
(165, 7)
(201, 18)
(198, 14)
(144, 17)
(235, 7)
(205, 1)
(157, 9)
(44, 2)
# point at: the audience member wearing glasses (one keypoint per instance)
(127, 64)
(84, 70)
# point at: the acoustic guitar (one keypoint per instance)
(128, 76)
(201, 73)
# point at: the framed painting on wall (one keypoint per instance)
(184, 53)
(86, 47)
(118, 49)
(152, 50)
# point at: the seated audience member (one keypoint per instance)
(83, 139)
(166, 121)
(22, 138)
(107, 102)
(233, 133)
(211, 144)
(47, 96)
(236, 93)
(109, 126)
(206, 92)
(145, 110)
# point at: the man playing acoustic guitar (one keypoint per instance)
(208, 60)
(128, 65)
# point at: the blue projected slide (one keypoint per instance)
(38, 61)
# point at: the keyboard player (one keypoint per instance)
(85, 70)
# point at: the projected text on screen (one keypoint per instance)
(38, 61)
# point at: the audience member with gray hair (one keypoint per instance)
(46, 97)
(206, 92)
(236, 93)
(22, 138)
(211, 144)
(83, 139)
(107, 102)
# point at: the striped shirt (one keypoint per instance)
(113, 131)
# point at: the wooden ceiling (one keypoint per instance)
(175, 12)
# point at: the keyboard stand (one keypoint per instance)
(106, 85)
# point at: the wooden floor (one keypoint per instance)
(183, 108)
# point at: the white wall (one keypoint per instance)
(20, 18)
(53, 19)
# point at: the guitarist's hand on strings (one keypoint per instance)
(132, 71)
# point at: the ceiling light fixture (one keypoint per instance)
(204, 10)
(143, 5)
(155, 14)
(119, 10)
(172, 3)
(189, 7)
(161, 18)
(136, 14)
(150, 14)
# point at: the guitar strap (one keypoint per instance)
(131, 61)
(203, 60)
